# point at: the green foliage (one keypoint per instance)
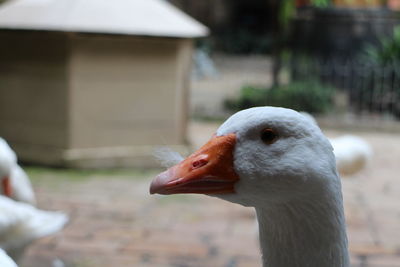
(387, 52)
(242, 40)
(286, 12)
(320, 3)
(310, 96)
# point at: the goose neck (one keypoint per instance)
(304, 233)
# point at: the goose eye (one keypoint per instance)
(269, 136)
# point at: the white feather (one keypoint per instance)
(21, 185)
(167, 157)
(8, 159)
(309, 117)
(7, 151)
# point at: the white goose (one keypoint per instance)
(20, 185)
(278, 162)
(352, 154)
(21, 224)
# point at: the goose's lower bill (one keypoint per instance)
(207, 171)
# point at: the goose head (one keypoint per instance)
(8, 159)
(261, 156)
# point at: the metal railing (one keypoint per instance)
(370, 88)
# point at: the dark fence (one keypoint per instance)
(371, 89)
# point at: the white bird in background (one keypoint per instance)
(21, 224)
(20, 187)
(278, 162)
(352, 153)
(5, 260)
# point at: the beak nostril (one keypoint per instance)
(199, 163)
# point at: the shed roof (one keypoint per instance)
(131, 17)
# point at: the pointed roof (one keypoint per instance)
(131, 17)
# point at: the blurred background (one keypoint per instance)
(90, 89)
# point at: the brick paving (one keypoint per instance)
(115, 222)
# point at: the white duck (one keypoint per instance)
(5, 260)
(19, 183)
(278, 162)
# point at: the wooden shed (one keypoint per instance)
(94, 83)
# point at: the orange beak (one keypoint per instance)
(6, 183)
(207, 171)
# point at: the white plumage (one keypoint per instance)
(167, 157)
(21, 224)
(21, 186)
(5, 260)
(7, 151)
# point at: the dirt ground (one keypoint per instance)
(115, 222)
